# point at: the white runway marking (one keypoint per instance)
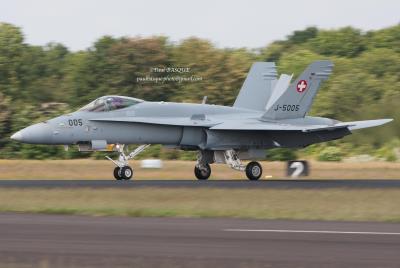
(309, 231)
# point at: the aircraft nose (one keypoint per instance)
(37, 134)
(17, 136)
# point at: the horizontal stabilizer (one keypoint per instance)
(353, 125)
(367, 123)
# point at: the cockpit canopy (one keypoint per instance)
(110, 103)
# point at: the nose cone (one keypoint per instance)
(17, 136)
(37, 134)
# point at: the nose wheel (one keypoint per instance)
(124, 173)
(117, 173)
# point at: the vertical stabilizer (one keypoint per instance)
(280, 87)
(296, 100)
(256, 89)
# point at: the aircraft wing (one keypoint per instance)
(243, 124)
(172, 121)
(257, 125)
(277, 126)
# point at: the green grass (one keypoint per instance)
(327, 204)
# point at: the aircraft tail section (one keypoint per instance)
(280, 87)
(257, 88)
(296, 100)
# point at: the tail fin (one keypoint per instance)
(296, 100)
(257, 88)
(280, 87)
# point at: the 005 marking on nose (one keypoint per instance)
(75, 122)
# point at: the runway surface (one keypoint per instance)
(79, 241)
(273, 184)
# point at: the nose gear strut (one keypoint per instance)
(122, 170)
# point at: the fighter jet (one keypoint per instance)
(268, 113)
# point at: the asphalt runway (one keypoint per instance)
(272, 184)
(78, 241)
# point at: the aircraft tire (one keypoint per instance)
(126, 173)
(253, 171)
(117, 174)
(204, 173)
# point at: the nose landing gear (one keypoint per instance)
(123, 171)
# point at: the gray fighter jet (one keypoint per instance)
(268, 113)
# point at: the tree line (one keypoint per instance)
(39, 82)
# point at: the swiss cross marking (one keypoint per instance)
(301, 86)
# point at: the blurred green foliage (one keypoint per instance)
(330, 153)
(390, 151)
(281, 154)
(39, 82)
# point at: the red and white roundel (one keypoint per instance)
(301, 86)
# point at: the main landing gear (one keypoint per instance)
(202, 170)
(253, 171)
(123, 171)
